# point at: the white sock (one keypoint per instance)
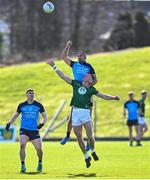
(86, 156)
(92, 151)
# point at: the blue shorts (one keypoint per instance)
(133, 122)
(32, 134)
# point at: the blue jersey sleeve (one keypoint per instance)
(72, 63)
(92, 71)
(41, 108)
(125, 105)
(95, 91)
(72, 82)
(19, 109)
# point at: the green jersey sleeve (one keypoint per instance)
(72, 82)
(94, 91)
(75, 83)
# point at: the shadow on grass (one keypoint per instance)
(32, 173)
(82, 175)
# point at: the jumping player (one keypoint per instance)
(82, 92)
(79, 68)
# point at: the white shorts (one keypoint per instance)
(141, 120)
(80, 116)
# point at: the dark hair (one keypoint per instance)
(28, 90)
(130, 93)
(143, 92)
(82, 52)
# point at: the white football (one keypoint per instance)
(48, 7)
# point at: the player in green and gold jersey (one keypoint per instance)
(142, 120)
(82, 92)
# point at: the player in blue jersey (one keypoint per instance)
(79, 68)
(133, 108)
(29, 128)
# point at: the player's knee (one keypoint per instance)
(130, 132)
(146, 128)
(90, 137)
(39, 150)
(22, 145)
(78, 135)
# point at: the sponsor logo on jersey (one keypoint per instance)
(82, 90)
(29, 115)
(82, 70)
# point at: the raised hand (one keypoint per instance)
(117, 98)
(50, 62)
(68, 44)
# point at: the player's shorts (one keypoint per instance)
(141, 120)
(32, 134)
(133, 122)
(80, 116)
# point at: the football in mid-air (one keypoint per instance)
(48, 7)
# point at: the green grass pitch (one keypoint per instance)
(117, 161)
(117, 73)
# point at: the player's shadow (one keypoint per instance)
(82, 175)
(33, 173)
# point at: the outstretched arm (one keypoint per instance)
(107, 97)
(12, 120)
(60, 74)
(65, 53)
(14, 117)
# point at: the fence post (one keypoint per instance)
(55, 116)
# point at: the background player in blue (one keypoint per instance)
(29, 128)
(79, 68)
(133, 108)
